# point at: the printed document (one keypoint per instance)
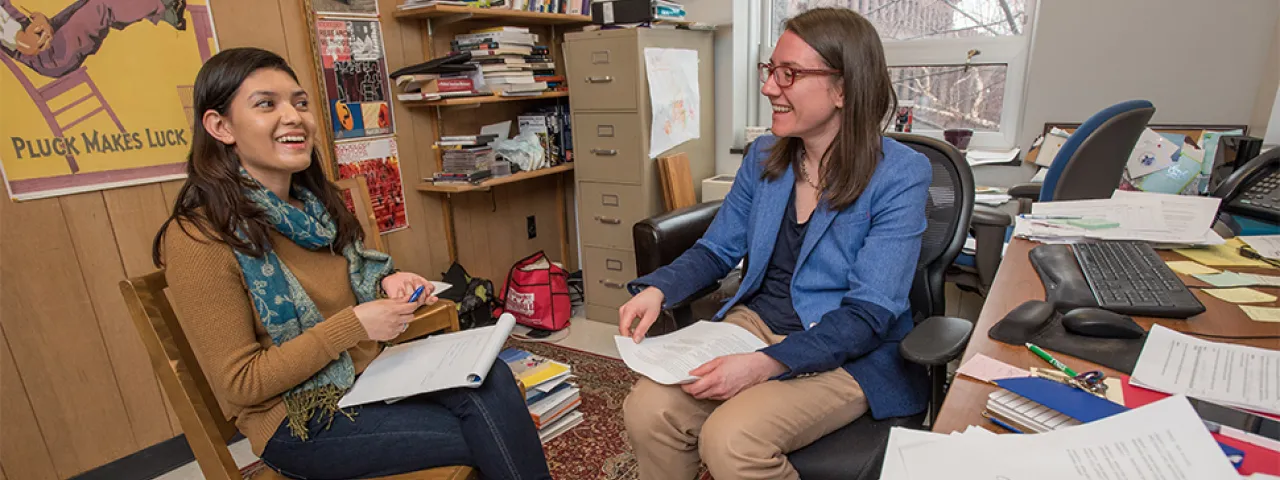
(1164, 440)
(438, 362)
(667, 359)
(1235, 375)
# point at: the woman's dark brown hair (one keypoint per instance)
(212, 199)
(849, 44)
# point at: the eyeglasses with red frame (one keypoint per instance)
(786, 76)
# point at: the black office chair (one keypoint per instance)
(856, 451)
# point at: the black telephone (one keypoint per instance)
(1254, 189)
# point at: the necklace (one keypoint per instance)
(804, 172)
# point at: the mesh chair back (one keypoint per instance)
(948, 210)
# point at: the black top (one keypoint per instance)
(773, 300)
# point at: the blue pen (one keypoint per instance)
(1003, 424)
(417, 293)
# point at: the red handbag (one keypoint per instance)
(537, 294)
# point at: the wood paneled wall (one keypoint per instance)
(76, 387)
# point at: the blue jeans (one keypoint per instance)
(487, 427)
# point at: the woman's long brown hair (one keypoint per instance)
(849, 44)
(212, 199)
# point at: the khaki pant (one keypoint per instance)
(745, 437)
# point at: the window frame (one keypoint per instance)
(755, 44)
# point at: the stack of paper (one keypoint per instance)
(1234, 375)
(989, 157)
(1163, 440)
(1164, 220)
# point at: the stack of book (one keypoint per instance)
(554, 130)
(508, 59)
(467, 158)
(550, 393)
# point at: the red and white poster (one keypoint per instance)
(378, 160)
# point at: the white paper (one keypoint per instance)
(667, 359)
(992, 199)
(985, 157)
(894, 468)
(1164, 440)
(1236, 375)
(1053, 142)
(1153, 153)
(501, 129)
(673, 96)
(438, 362)
(1266, 245)
(440, 287)
(1186, 217)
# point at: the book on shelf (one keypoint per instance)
(506, 83)
(516, 38)
(493, 52)
(507, 60)
(437, 84)
(466, 140)
(503, 28)
(518, 72)
(416, 96)
(504, 48)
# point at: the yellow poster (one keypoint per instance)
(96, 94)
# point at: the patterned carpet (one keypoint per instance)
(597, 449)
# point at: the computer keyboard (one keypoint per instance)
(1124, 277)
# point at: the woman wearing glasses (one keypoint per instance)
(831, 214)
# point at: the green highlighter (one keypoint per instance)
(1052, 361)
(1092, 223)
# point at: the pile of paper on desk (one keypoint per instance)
(1162, 440)
(1163, 220)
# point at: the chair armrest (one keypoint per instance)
(988, 216)
(441, 316)
(1029, 191)
(662, 238)
(936, 341)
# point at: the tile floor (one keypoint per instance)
(586, 335)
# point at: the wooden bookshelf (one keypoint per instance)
(480, 100)
(493, 182)
(501, 14)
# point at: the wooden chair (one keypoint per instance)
(363, 204)
(188, 390)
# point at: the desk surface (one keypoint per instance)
(1017, 282)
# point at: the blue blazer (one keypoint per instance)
(852, 278)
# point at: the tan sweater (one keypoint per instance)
(247, 370)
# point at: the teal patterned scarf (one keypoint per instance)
(285, 309)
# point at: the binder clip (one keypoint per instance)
(1092, 382)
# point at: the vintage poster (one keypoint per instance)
(96, 94)
(345, 7)
(355, 77)
(379, 161)
(674, 97)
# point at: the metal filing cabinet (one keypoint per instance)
(617, 182)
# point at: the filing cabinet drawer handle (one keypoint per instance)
(601, 79)
(608, 220)
(604, 152)
(612, 284)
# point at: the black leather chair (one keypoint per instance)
(856, 451)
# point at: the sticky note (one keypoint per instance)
(1225, 255)
(1241, 295)
(1115, 390)
(1262, 314)
(1227, 279)
(987, 369)
(1190, 268)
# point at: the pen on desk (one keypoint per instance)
(1052, 361)
(417, 293)
(1001, 423)
(1050, 217)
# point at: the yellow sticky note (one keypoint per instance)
(1262, 314)
(1241, 295)
(1190, 268)
(1225, 255)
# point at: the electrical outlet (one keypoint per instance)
(531, 226)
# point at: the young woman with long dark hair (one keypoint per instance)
(285, 307)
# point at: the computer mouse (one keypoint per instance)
(1099, 323)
